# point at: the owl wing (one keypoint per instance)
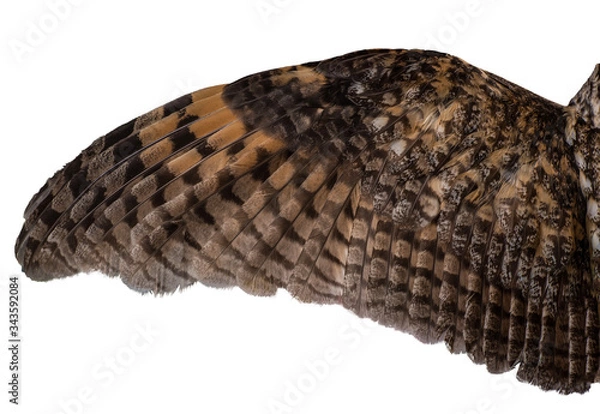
(408, 186)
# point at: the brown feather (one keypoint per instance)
(408, 186)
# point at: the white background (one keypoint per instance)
(71, 74)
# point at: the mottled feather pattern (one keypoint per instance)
(408, 186)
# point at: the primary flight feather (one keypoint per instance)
(408, 186)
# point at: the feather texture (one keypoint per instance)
(408, 186)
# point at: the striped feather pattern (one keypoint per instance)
(407, 186)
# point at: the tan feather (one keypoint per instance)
(408, 186)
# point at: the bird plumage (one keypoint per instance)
(408, 186)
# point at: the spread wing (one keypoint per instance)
(408, 186)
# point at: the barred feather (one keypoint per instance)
(406, 185)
